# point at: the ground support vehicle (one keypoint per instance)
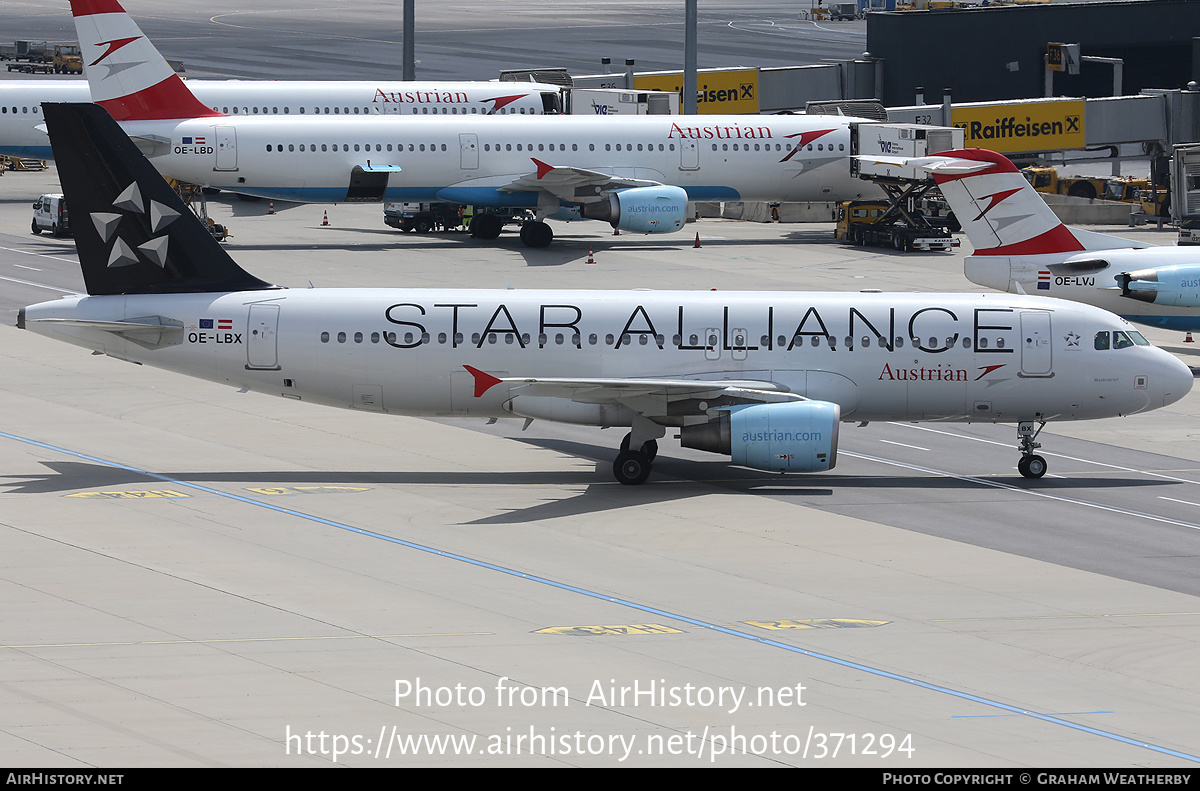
(193, 196)
(67, 59)
(910, 218)
(1046, 179)
(50, 214)
(424, 217)
(1185, 188)
(31, 68)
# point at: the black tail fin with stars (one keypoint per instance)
(133, 233)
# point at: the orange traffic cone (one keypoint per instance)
(326, 220)
(591, 259)
(1188, 339)
(697, 244)
(271, 207)
(616, 231)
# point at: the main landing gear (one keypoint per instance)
(536, 234)
(486, 226)
(1031, 465)
(632, 467)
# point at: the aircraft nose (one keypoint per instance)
(1178, 379)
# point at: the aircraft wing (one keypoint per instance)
(916, 167)
(649, 397)
(575, 185)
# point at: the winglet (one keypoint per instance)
(483, 381)
(542, 167)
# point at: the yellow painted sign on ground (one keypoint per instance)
(1014, 128)
(719, 92)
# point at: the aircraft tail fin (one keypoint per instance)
(126, 74)
(132, 232)
(1000, 211)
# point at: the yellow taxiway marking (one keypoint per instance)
(219, 640)
(270, 491)
(817, 623)
(618, 629)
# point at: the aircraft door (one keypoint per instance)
(469, 147)
(689, 155)
(367, 186)
(739, 342)
(226, 146)
(712, 344)
(1035, 343)
(261, 337)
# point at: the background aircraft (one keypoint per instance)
(764, 378)
(23, 133)
(1021, 246)
(635, 172)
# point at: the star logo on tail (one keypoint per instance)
(122, 253)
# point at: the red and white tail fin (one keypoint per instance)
(126, 74)
(1001, 212)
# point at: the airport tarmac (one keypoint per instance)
(198, 577)
(459, 40)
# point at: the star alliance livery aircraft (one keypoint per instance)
(1021, 246)
(762, 377)
(635, 172)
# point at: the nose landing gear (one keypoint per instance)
(1031, 465)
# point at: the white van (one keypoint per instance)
(50, 214)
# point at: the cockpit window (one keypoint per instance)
(1121, 340)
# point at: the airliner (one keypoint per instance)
(635, 172)
(1022, 247)
(22, 131)
(764, 378)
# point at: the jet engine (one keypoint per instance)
(659, 209)
(797, 436)
(1167, 285)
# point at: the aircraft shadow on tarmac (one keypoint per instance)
(674, 479)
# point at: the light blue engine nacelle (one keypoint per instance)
(641, 209)
(798, 436)
(1167, 285)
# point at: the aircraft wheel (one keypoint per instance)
(631, 468)
(486, 226)
(649, 447)
(1032, 466)
(35, 228)
(537, 234)
(1082, 189)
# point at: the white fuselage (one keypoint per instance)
(475, 160)
(1092, 282)
(968, 357)
(20, 102)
